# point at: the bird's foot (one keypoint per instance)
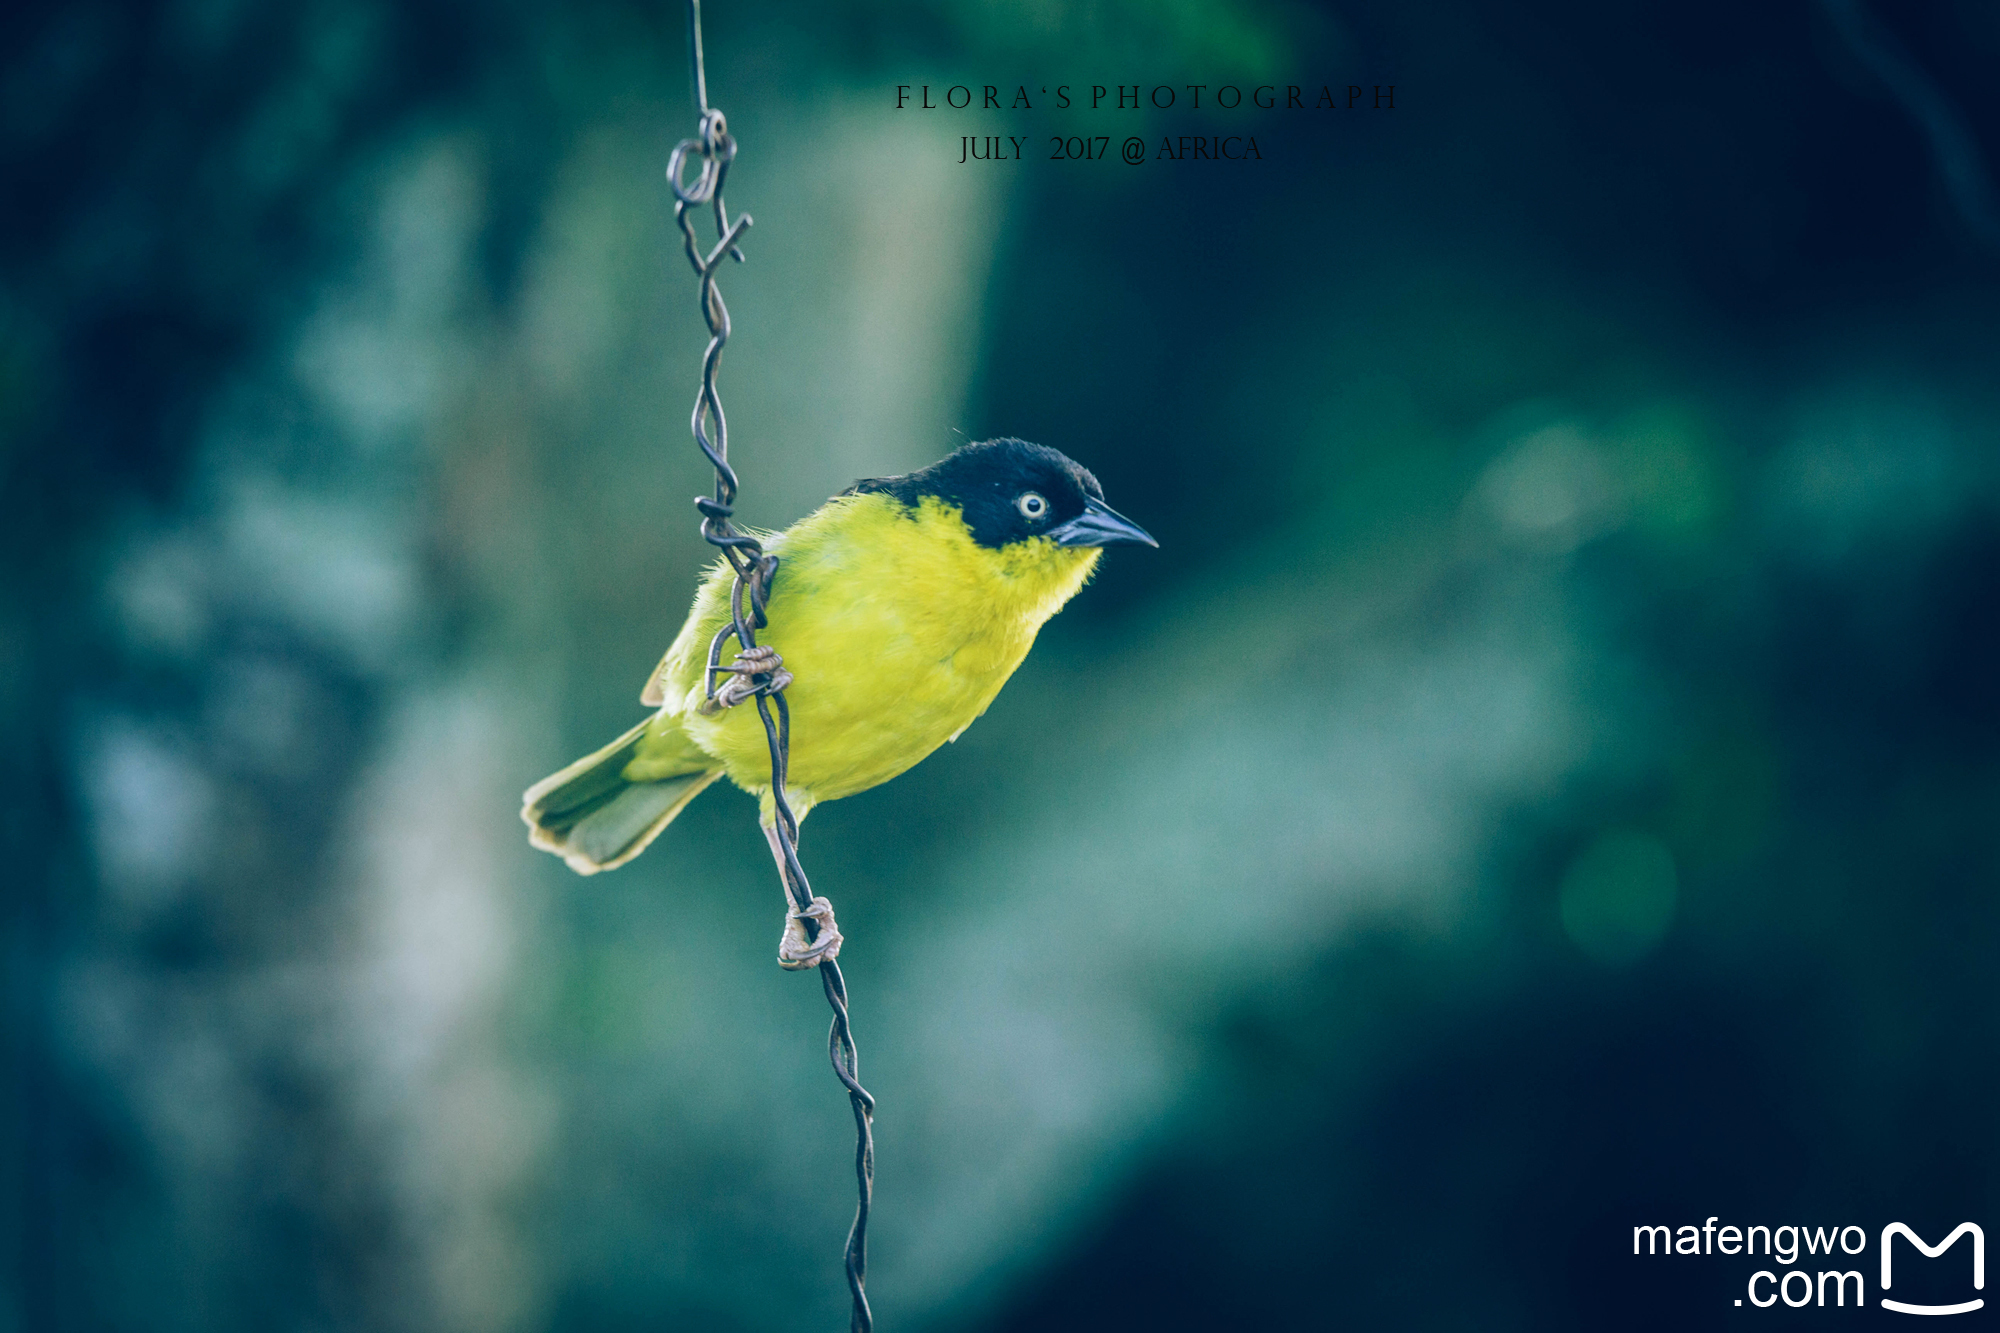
(755, 671)
(794, 953)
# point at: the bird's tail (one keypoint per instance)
(604, 809)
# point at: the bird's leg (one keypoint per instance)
(756, 670)
(795, 953)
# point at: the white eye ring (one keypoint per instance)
(1032, 505)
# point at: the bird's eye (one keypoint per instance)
(1031, 505)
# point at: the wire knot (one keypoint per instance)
(757, 670)
(717, 149)
(795, 953)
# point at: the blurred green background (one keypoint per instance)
(1547, 780)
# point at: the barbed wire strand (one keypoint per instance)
(756, 570)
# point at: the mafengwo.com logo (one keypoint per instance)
(1829, 1267)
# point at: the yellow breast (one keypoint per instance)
(898, 629)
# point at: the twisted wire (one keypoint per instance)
(755, 570)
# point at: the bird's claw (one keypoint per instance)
(745, 683)
(794, 953)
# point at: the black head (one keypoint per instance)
(1010, 490)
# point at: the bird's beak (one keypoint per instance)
(1100, 525)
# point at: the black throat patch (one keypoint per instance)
(1008, 490)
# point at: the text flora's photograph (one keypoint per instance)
(966, 667)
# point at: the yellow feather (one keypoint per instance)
(898, 628)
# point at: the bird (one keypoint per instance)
(900, 608)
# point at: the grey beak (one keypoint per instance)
(1100, 525)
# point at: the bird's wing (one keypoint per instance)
(655, 692)
(679, 670)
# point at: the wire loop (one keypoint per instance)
(756, 570)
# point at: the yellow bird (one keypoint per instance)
(900, 608)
